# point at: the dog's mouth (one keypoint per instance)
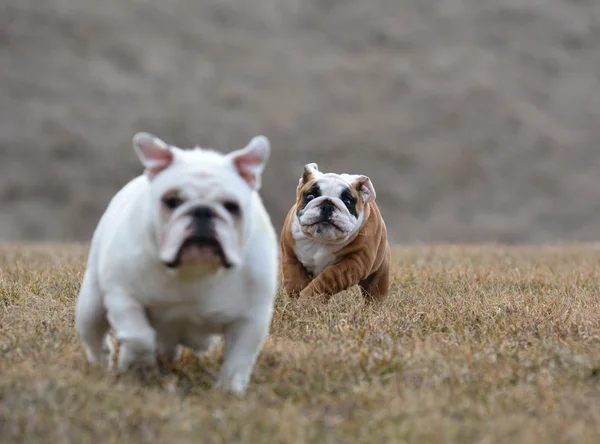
(200, 248)
(324, 223)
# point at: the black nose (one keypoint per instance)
(202, 222)
(202, 213)
(327, 209)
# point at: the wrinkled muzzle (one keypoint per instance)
(200, 235)
(326, 216)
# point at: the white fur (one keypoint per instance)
(154, 310)
(316, 245)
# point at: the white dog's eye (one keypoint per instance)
(172, 202)
(347, 202)
(232, 207)
(309, 197)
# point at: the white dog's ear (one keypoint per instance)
(154, 153)
(251, 160)
(365, 188)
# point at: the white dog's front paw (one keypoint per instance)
(103, 356)
(136, 353)
(235, 384)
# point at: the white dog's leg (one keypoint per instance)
(137, 338)
(168, 352)
(200, 342)
(91, 322)
(243, 342)
(167, 344)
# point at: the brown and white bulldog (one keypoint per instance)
(334, 237)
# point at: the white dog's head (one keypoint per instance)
(330, 207)
(201, 199)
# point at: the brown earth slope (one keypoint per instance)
(477, 120)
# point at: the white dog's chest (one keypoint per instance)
(199, 306)
(314, 256)
(190, 318)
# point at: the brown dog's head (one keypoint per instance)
(330, 207)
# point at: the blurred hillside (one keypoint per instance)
(476, 120)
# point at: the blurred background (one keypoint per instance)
(477, 120)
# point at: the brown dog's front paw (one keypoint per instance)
(307, 293)
(311, 293)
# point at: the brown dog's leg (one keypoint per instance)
(337, 277)
(295, 278)
(375, 288)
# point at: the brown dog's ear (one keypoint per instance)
(365, 188)
(310, 172)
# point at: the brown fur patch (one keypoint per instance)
(355, 187)
(308, 181)
(307, 175)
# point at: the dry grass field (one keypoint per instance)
(477, 344)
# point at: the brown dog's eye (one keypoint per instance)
(172, 202)
(232, 207)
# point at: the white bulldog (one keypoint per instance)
(183, 252)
